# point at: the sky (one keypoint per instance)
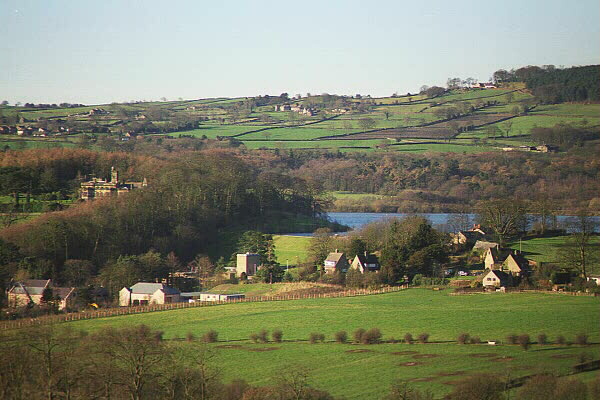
(106, 51)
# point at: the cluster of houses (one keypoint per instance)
(28, 130)
(337, 262)
(300, 109)
(99, 187)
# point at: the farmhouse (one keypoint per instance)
(193, 297)
(492, 258)
(497, 278)
(100, 188)
(144, 293)
(247, 264)
(594, 278)
(336, 262)
(366, 263)
(32, 291)
(516, 264)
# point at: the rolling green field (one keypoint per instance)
(291, 249)
(290, 130)
(548, 249)
(366, 371)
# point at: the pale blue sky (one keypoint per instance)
(108, 50)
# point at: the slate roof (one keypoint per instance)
(151, 288)
(368, 259)
(483, 245)
(335, 257)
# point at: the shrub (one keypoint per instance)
(581, 339)
(478, 387)
(341, 337)
(524, 341)
(263, 336)
(190, 337)
(408, 338)
(277, 335)
(463, 338)
(512, 339)
(358, 334)
(372, 336)
(538, 387)
(423, 338)
(542, 339)
(560, 339)
(315, 337)
(210, 336)
(254, 337)
(475, 340)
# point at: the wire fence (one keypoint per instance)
(111, 312)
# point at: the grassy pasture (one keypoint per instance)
(341, 369)
(341, 144)
(548, 249)
(291, 248)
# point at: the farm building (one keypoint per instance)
(497, 278)
(206, 296)
(32, 291)
(247, 264)
(144, 293)
(336, 262)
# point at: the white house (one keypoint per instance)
(144, 293)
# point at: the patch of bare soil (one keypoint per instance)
(410, 364)
(404, 353)
(483, 355)
(453, 373)
(426, 355)
(359, 351)
(229, 346)
(453, 382)
(502, 359)
(423, 379)
(263, 349)
(563, 356)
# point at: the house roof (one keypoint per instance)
(151, 288)
(366, 259)
(519, 259)
(335, 257)
(62, 292)
(36, 283)
(501, 275)
(483, 245)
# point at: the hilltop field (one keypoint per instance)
(366, 371)
(459, 121)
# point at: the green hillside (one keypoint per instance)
(366, 371)
(415, 123)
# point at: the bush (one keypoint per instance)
(315, 337)
(408, 339)
(423, 338)
(341, 337)
(372, 336)
(524, 341)
(478, 387)
(542, 339)
(358, 334)
(263, 336)
(538, 387)
(512, 339)
(475, 340)
(463, 338)
(210, 337)
(581, 339)
(560, 339)
(254, 337)
(277, 335)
